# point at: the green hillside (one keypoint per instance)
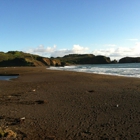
(18, 58)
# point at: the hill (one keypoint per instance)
(130, 60)
(18, 58)
(85, 59)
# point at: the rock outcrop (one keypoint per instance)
(85, 59)
(101, 60)
(130, 60)
(55, 62)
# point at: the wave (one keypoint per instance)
(127, 69)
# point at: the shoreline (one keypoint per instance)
(125, 70)
(17, 71)
(95, 73)
(67, 105)
(2, 73)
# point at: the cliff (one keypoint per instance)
(16, 58)
(130, 60)
(85, 59)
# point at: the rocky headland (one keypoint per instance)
(18, 58)
(130, 60)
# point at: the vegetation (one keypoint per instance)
(18, 58)
(77, 59)
(84, 59)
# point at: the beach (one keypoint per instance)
(43, 104)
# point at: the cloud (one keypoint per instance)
(109, 45)
(112, 52)
(137, 44)
(52, 51)
(132, 39)
(119, 52)
(41, 50)
(77, 49)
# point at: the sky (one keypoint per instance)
(54, 28)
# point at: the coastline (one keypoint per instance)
(125, 70)
(74, 105)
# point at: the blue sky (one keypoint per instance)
(59, 27)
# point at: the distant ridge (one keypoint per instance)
(19, 58)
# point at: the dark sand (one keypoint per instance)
(60, 105)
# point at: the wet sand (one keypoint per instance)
(62, 105)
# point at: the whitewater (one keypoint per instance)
(123, 69)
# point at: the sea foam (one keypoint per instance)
(125, 69)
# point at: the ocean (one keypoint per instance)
(123, 69)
